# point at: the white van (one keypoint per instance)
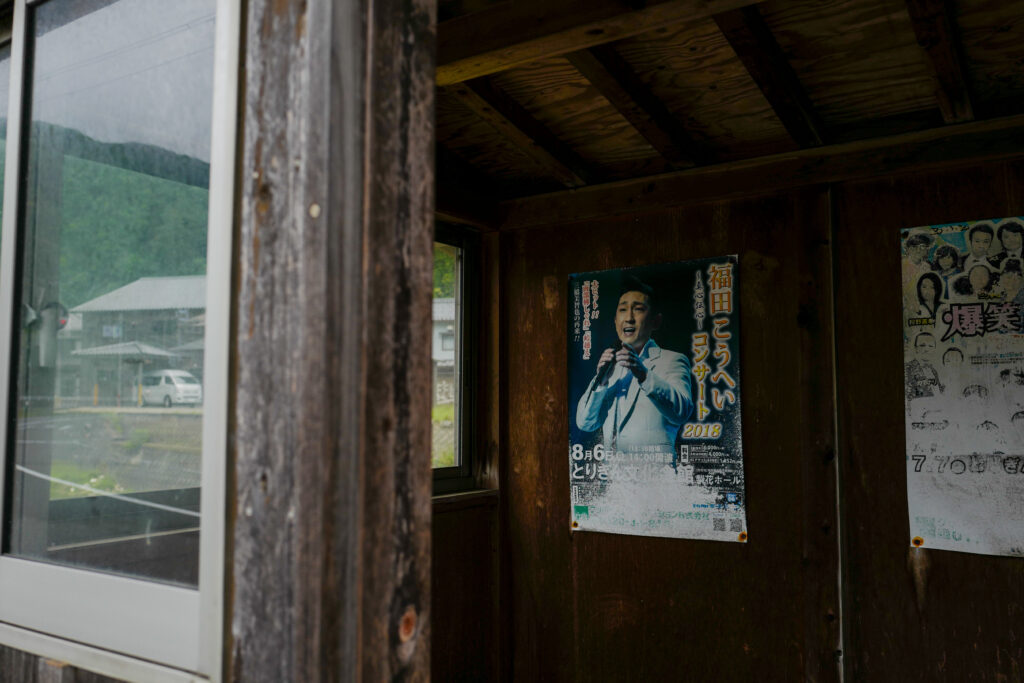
(169, 387)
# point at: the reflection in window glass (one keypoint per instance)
(445, 356)
(5, 86)
(108, 417)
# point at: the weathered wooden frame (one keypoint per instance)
(330, 538)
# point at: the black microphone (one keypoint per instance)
(603, 372)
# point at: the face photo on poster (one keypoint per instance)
(963, 345)
(655, 443)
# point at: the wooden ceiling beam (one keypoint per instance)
(616, 80)
(515, 33)
(934, 27)
(524, 131)
(754, 44)
(932, 150)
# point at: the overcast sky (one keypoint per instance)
(134, 71)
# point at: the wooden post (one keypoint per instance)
(331, 443)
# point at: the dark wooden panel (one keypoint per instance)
(994, 141)
(992, 37)
(21, 667)
(936, 34)
(757, 48)
(449, 9)
(330, 521)
(510, 171)
(516, 33)
(571, 107)
(694, 71)
(913, 615)
(16, 665)
(857, 59)
(591, 606)
(465, 636)
(517, 125)
(618, 83)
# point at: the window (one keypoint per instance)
(117, 217)
(453, 356)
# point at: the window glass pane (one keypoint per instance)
(109, 366)
(5, 87)
(446, 350)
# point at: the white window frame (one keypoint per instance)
(118, 626)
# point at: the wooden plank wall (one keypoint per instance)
(592, 606)
(913, 614)
(465, 599)
(21, 667)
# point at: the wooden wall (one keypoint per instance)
(465, 598)
(591, 606)
(913, 615)
(594, 606)
(21, 667)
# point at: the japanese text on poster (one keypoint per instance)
(655, 443)
(964, 385)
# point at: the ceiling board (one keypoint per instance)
(571, 108)
(859, 62)
(857, 59)
(695, 72)
(992, 36)
(482, 147)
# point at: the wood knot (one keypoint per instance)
(407, 625)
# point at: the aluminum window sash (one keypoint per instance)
(8, 239)
(102, 662)
(176, 626)
(141, 618)
(220, 231)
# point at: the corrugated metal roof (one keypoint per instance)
(131, 349)
(195, 345)
(151, 294)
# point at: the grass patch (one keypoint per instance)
(445, 411)
(135, 442)
(442, 419)
(445, 458)
(116, 423)
(93, 478)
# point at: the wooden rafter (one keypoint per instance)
(615, 79)
(944, 147)
(934, 27)
(520, 128)
(754, 44)
(515, 33)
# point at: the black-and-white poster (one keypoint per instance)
(964, 385)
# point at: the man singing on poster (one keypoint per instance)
(640, 394)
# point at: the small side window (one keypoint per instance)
(453, 354)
